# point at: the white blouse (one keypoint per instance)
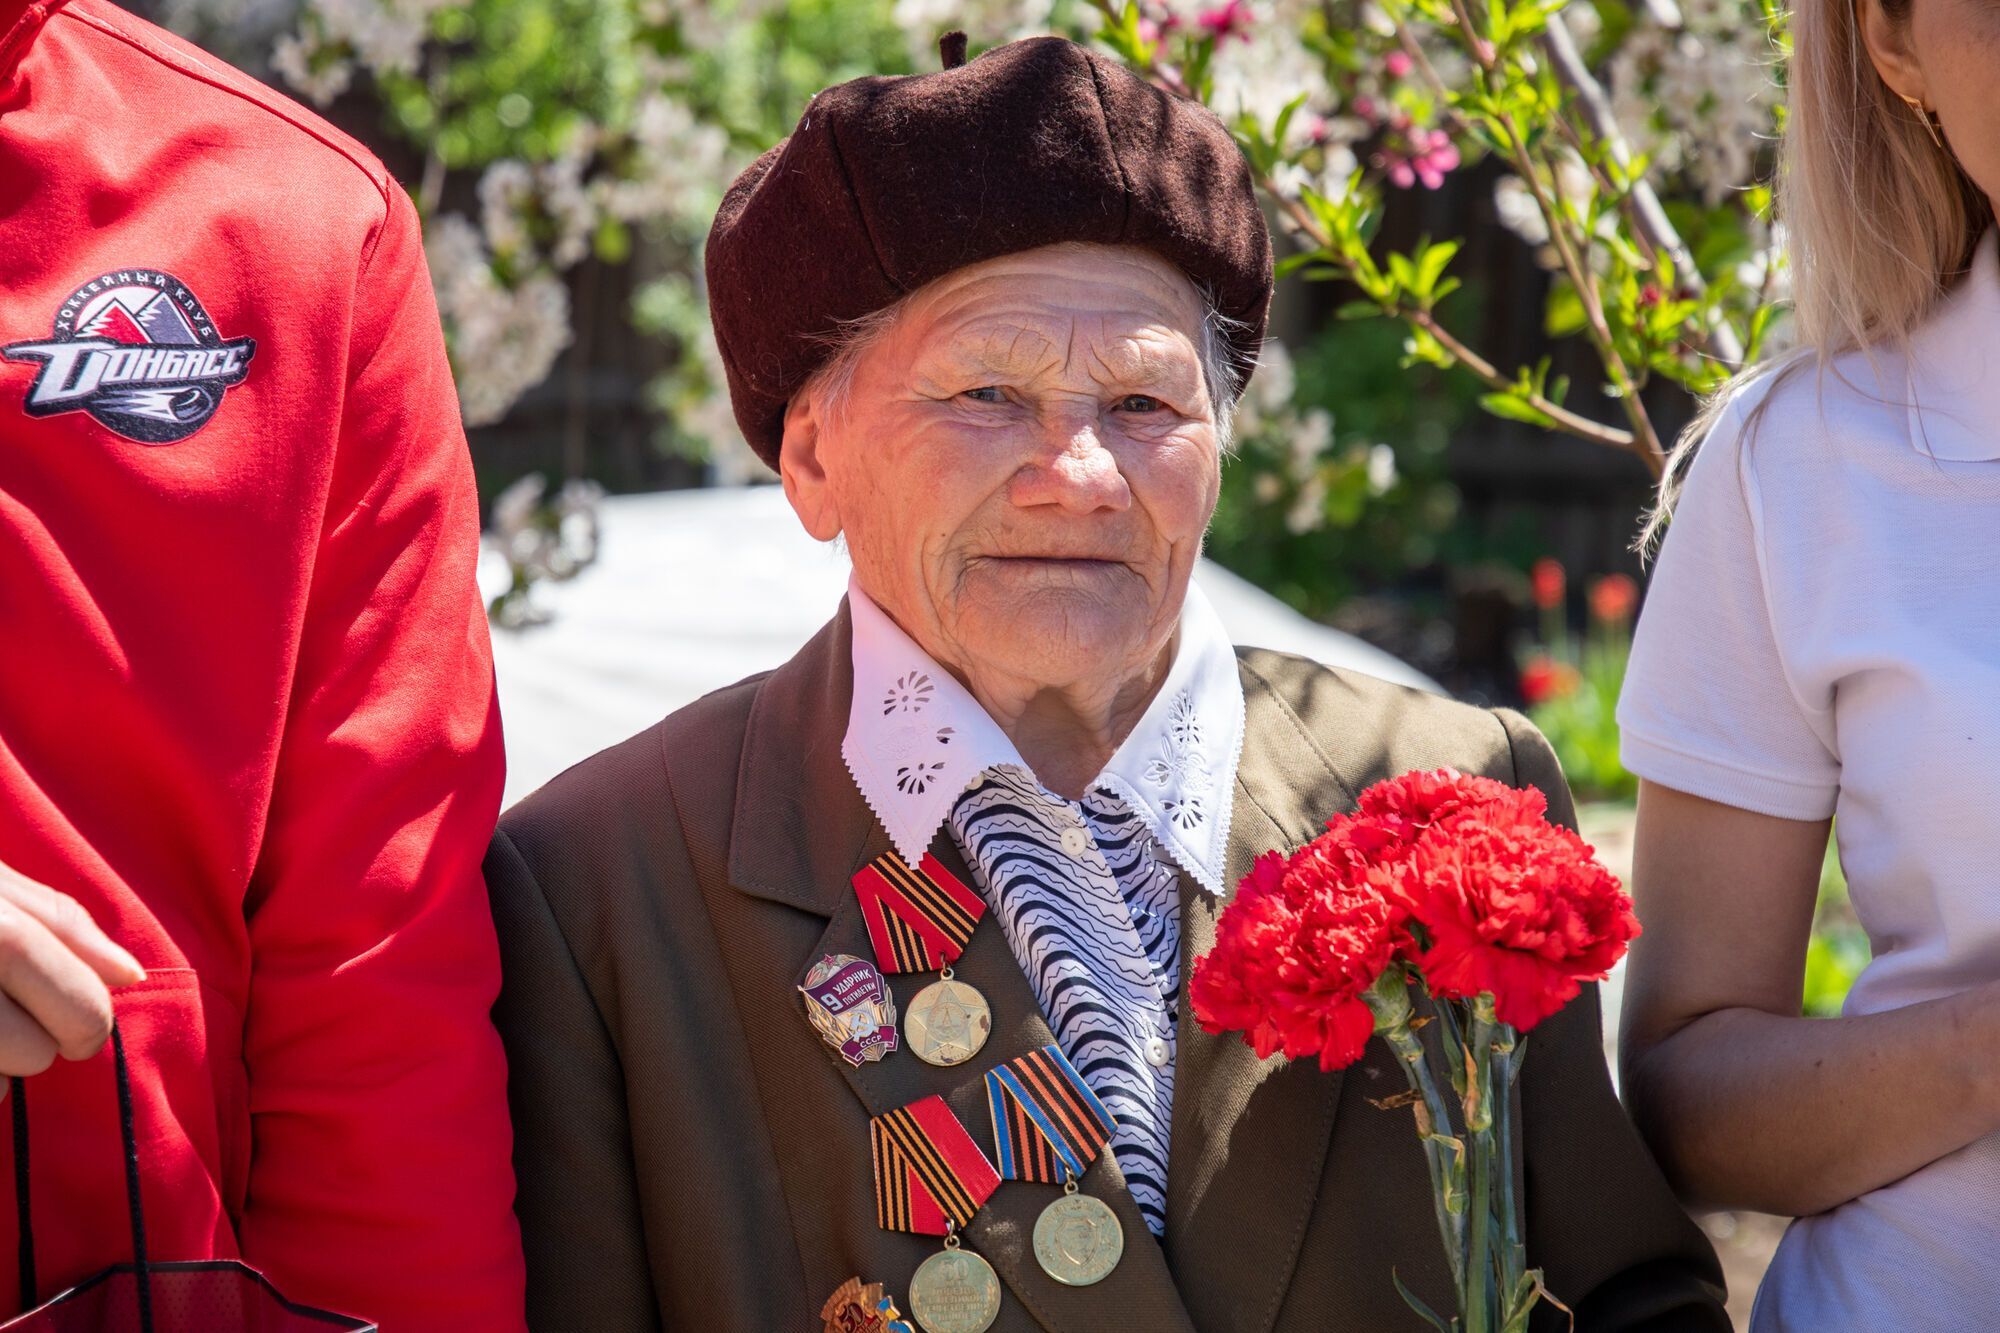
(1822, 637)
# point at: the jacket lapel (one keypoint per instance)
(801, 832)
(1250, 1136)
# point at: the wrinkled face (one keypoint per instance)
(1025, 465)
(1946, 54)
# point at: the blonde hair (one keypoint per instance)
(1879, 221)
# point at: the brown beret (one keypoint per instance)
(889, 182)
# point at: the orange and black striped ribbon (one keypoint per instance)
(930, 1177)
(1047, 1123)
(919, 917)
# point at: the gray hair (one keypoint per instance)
(833, 382)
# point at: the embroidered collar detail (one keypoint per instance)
(916, 738)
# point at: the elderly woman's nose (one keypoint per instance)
(1076, 471)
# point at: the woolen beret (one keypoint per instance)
(891, 181)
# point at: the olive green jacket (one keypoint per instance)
(692, 1156)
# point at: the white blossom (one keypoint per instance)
(505, 189)
(334, 36)
(1518, 212)
(503, 339)
(988, 22)
(1259, 77)
(677, 164)
(312, 69)
(711, 419)
(1699, 98)
(1381, 468)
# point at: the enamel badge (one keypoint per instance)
(860, 1307)
(850, 1005)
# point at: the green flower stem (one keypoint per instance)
(1389, 1000)
(1508, 1048)
(1477, 1303)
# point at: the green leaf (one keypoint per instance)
(1358, 310)
(1431, 264)
(1403, 271)
(1424, 1312)
(1564, 315)
(1291, 264)
(1515, 408)
(1285, 118)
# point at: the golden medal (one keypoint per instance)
(1048, 1126)
(919, 918)
(955, 1291)
(931, 1178)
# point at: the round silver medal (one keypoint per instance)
(948, 1021)
(955, 1291)
(1078, 1240)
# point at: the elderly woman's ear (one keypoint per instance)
(802, 470)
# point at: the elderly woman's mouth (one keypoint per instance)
(1053, 564)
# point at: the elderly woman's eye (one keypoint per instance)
(1139, 402)
(979, 394)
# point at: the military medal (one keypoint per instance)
(850, 1005)
(931, 1178)
(1047, 1127)
(955, 1291)
(1077, 1239)
(919, 918)
(948, 1021)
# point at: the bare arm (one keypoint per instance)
(1746, 1103)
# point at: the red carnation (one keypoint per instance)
(1295, 950)
(1460, 886)
(1514, 905)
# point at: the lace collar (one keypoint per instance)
(916, 738)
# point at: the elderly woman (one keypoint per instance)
(861, 980)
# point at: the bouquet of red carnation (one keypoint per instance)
(1460, 887)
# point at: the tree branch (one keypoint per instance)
(1649, 219)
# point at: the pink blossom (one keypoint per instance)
(1414, 156)
(1227, 20)
(1397, 64)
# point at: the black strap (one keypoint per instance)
(142, 1271)
(142, 1274)
(18, 1089)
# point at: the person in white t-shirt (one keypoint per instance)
(1822, 639)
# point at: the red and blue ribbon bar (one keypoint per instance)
(930, 1177)
(1047, 1123)
(919, 917)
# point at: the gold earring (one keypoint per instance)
(1926, 115)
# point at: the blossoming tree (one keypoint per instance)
(1628, 137)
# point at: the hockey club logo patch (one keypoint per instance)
(136, 350)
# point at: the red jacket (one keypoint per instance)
(246, 694)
